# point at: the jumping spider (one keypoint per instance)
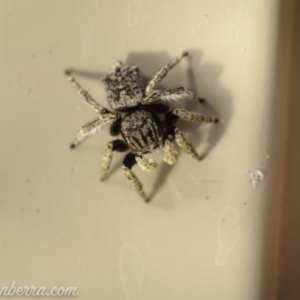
(137, 116)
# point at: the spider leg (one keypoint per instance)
(86, 131)
(170, 156)
(172, 93)
(146, 165)
(160, 75)
(92, 128)
(183, 143)
(116, 145)
(192, 116)
(85, 94)
(128, 163)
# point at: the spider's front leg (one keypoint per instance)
(172, 93)
(90, 128)
(160, 75)
(85, 94)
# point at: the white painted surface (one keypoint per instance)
(207, 233)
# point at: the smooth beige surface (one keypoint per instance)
(208, 233)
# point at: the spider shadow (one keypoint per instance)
(207, 80)
(88, 74)
(218, 102)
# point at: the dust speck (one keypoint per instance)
(256, 177)
(28, 91)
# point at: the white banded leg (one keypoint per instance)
(192, 116)
(116, 145)
(86, 131)
(160, 75)
(185, 144)
(170, 156)
(128, 163)
(85, 94)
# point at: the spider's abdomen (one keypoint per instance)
(142, 131)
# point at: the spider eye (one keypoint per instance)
(171, 137)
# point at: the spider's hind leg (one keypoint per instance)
(147, 165)
(116, 145)
(183, 143)
(170, 156)
(128, 163)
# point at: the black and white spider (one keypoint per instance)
(141, 118)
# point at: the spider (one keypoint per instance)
(141, 117)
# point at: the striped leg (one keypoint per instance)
(128, 163)
(172, 93)
(85, 94)
(146, 165)
(116, 145)
(160, 75)
(86, 131)
(170, 156)
(93, 127)
(192, 116)
(185, 144)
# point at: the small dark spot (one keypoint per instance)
(37, 210)
(22, 210)
(72, 146)
(206, 16)
(171, 137)
(207, 197)
(216, 120)
(184, 54)
(245, 203)
(28, 180)
(32, 55)
(201, 100)
(28, 91)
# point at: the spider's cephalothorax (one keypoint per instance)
(141, 118)
(124, 87)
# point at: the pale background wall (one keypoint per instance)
(207, 233)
